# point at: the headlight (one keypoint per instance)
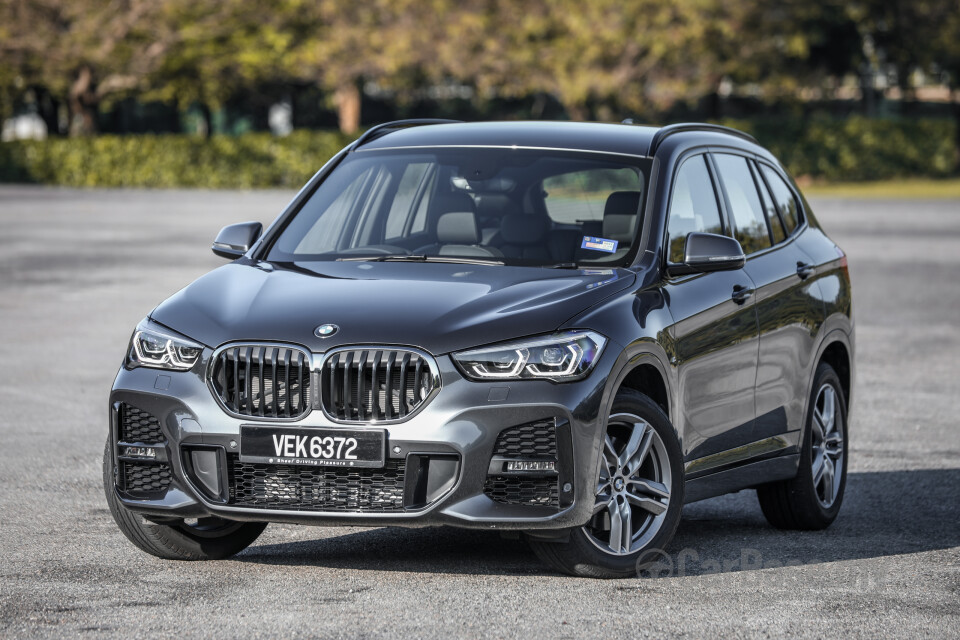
(158, 349)
(560, 357)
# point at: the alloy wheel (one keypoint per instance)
(633, 488)
(827, 446)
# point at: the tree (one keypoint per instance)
(596, 57)
(84, 51)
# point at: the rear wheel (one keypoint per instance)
(812, 499)
(639, 495)
(207, 538)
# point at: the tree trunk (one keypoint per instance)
(206, 121)
(83, 103)
(578, 112)
(347, 99)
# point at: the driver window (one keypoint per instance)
(693, 206)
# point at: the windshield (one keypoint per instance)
(502, 206)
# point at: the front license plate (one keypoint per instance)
(315, 447)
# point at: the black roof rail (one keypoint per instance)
(683, 127)
(383, 129)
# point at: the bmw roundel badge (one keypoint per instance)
(326, 330)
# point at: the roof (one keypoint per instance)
(606, 138)
(594, 136)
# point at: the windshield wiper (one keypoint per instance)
(562, 265)
(423, 258)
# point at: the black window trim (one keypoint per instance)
(665, 235)
(729, 207)
(763, 190)
(801, 223)
(759, 160)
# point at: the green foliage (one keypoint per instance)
(853, 149)
(253, 160)
(858, 148)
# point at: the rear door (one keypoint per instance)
(715, 331)
(787, 301)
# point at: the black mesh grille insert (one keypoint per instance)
(263, 380)
(139, 426)
(536, 439)
(522, 490)
(143, 478)
(301, 488)
(375, 384)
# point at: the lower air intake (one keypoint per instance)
(301, 488)
(136, 478)
(541, 492)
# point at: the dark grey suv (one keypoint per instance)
(566, 330)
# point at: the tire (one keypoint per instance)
(205, 539)
(803, 502)
(653, 507)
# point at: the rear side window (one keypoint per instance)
(693, 206)
(750, 225)
(773, 218)
(783, 197)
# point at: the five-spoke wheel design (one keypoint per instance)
(633, 490)
(826, 446)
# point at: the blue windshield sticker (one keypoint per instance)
(599, 244)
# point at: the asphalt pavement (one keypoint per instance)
(79, 269)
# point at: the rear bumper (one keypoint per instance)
(441, 464)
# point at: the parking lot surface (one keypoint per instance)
(79, 269)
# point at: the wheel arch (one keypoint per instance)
(836, 349)
(837, 355)
(644, 372)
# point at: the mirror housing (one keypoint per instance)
(707, 252)
(235, 240)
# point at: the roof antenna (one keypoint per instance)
(627, 121)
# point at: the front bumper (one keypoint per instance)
(453, 439)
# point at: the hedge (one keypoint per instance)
(246, 161)
(858, 148)
(831, 149)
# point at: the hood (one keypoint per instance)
(437, 307)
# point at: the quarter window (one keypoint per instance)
(750, 226)
(693, 206)
(783, 197)
(773, 218)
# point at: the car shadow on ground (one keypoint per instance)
(885, 513)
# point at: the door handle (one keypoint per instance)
(741, 294)
(805, 270)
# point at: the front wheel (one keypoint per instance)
(639, 495)
(206, 538)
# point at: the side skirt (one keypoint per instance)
(742, 477)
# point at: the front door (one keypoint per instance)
(714, 332)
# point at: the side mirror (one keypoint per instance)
(706, 252)
(235, 240)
